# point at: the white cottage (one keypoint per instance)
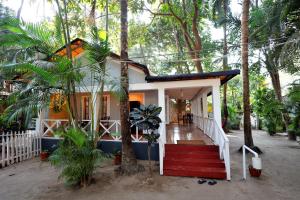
(191, 143)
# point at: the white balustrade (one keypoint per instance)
(212, 129)
(110, 127)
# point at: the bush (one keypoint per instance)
(77, 156)
(269, 109)
(234, 118)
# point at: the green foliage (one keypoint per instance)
(267, 107)
(146, 117)
(234, 117)
(77, 157)
(293, 106)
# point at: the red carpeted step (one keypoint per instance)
(192, 155)
(193, 161)
(183, 147)
(201, 172)
(216, 163)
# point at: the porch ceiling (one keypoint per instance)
(184, 93)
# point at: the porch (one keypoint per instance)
(186, 134)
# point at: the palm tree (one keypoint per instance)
(43, 73)
(246, 96)
(129, 162)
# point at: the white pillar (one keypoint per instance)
(167, 109)
(216, 104)
(39, 124)
(162, 128)
(204, 105)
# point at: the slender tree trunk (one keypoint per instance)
(129, 162)
(68, 50)
(277, 88)
(225, 67)
(246, 96)
(275, 79)
(20, 10)
(69, 54)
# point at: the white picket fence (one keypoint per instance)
(18, 146)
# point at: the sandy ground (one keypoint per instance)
(280, 179)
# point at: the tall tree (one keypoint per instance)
(187, 16)
(245, 73)
(129, 162)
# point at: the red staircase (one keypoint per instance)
(193, 161)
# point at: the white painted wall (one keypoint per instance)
(113, 70)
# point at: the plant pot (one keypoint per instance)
(118, 159)
(254, 172)
(298, 138)
(44, 156)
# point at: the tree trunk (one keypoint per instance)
(149, 158)
(271, 65)
(129, 162)
(274, 74)
(246, 96)
(20, 10)
(225, 66)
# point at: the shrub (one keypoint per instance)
(269, 108)
(77, 157)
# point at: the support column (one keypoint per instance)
(167, 109)
(204, 105)
(39, 124)
(216, 104)
(162, 128)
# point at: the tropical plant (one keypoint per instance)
(269, 108)
(76, 156)
(293, 106)
(147, 119)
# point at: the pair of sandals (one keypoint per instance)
(212, 182)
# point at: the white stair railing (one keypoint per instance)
(213, 130)
(244, 159)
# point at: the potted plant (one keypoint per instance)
(44, 155)
(118, 157)
(256, 167)
(254, 172)
(147, 119)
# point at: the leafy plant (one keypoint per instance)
(147, 118)
(267, 107)
(293, 106)
(77, 157)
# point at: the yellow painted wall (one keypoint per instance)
(137, 97)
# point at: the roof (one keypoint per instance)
(223, 75)
(77, 46)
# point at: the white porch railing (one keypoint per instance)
(110, 127)
(213, 130)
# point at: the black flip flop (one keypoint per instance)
(201, 181)
(213, 182)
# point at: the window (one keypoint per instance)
(104, 106)
(86, 108)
